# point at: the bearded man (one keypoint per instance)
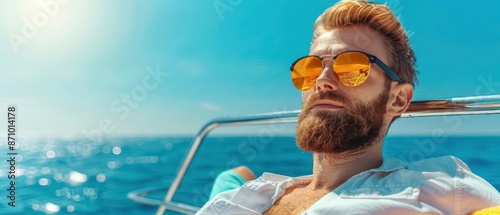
(356, 80)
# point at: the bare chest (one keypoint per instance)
(295, 202)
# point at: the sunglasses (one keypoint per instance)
(351, 67)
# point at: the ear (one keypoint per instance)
(399, 99)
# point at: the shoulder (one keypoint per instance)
(448, 169)
(442, 185)
(446, 164)
(450, 178)
(444, 168)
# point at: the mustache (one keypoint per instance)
(330, 95)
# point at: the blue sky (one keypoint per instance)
(167, 67)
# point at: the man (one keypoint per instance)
(357, 79)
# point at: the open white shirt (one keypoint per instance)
(443, 185)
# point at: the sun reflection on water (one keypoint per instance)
(101, 178)
(44, 181)
(117, 150)
(77, 176)
(50, 154)
(50, 208)
(70, 208)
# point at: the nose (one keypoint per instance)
(328, 79)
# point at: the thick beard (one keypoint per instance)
(346, 132)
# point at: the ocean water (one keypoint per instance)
(81, 177)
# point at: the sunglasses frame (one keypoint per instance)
(388, 71)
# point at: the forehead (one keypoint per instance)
(358, 38)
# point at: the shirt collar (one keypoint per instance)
(389, 165)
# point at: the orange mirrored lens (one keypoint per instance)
(305, 72)
(351, 68)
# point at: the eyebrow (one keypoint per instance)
(327, 50)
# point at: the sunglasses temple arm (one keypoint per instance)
(387, 70)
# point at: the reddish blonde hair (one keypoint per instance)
(379, 18)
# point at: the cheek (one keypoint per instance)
(306, 95)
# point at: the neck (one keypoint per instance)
(332, 170)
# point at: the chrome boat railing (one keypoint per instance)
(474, 105)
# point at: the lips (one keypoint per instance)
(326, 104)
